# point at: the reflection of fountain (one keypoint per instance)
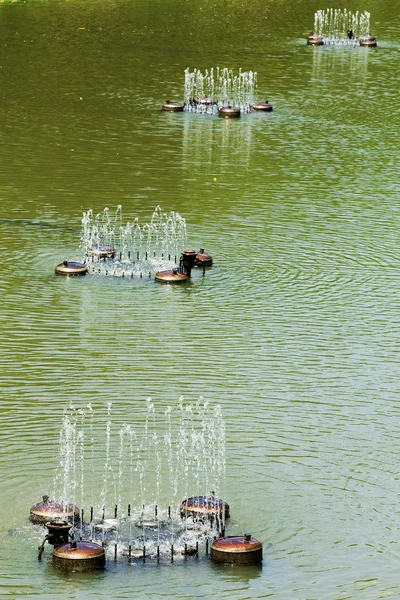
(208, 146)
(133, 484)
(341, 27)
(126, 250)
(350, 64)
(215, 89)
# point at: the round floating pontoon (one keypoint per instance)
(237, 550)
(369, 40)
(172, 106)
(315, 40)
(71, 268)
(49, 510)
(200, 506)
(102, 251)
(172, 276)
(229, 112)
(79, 556)
(203, 259)
(264, 106)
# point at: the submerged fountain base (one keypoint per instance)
(262, 106)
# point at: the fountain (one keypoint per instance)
(134, 478)
(341, 27)
(110, 247)
(133, 482)
(220, 92)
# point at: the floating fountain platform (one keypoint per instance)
(218, 92)
(341, 27)
(237, 550)
(48, 510)
(79, 556)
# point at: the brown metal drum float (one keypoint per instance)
(205, 101)
(369, 40)
(102, 251)
(79, 556)
(237, 550)
(315, 40)
(172, 276)
(169, 106)
(263, 106)
(203, 259)
(186, 263)
(48, 510)
(229, 112)
(71, 268)
(204, 506)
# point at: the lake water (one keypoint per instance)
(294, 330)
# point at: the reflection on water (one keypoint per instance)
(349, 63)
(212, 143)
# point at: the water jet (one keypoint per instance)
(341, 27)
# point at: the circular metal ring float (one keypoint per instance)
(200, 506)
(203, 259)
(369, 40)
(79, 556)
(171, 276)
(264, 106)
(49, 510)
(101, 251)
(71, 268)
(172, 106)
(229, 112)
(237, 550)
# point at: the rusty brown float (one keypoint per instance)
(48, 510)
(186, 263)
(229, 112)
(204, 101)
(237, 550)
(172, 276)
(315, 40)
(369, 40)
(102, 251)
(172, 106)
(264, 106)
(79, 556)
(203, 259)
(204, 506)
(71, 268)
